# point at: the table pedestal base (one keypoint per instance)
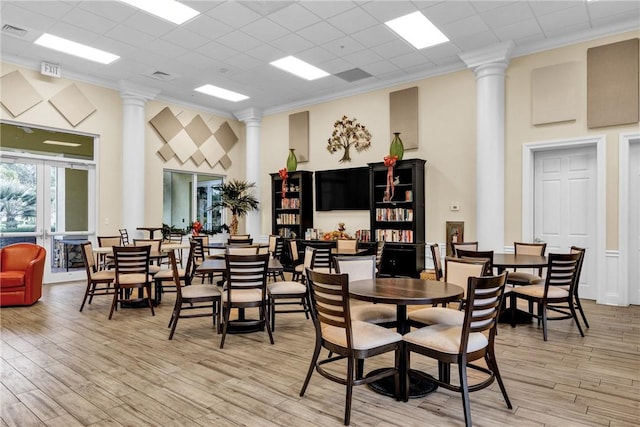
(418, 386)
(522, 317)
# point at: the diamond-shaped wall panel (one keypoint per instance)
(166, 124)
(183, 146)
(198, 130)
(212, 151)
(225, 162)
(17, 93)
(226, 137)
(198, 157)
(73, 104)
(166, 152)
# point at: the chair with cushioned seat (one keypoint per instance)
(467, 246)
(99, 282)
(576, 297)
(523, 278)
(482, 255)
(21, 273)
(437, 260)
(132, 272)
(164, 279)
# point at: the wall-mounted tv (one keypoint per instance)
(342, 189)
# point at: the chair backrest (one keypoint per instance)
(176, 276)
(277, 254)
(379, 249)
(330, 301)
(88, 258)
(346, 244)
(483, 255)
(293, 251)
(582, 252)
(262, 249)
(357, 267)
(242, 249)
(469, 246)
(272, 243)
(521, 248)
(124, 236)
(484, 299)
(155, 244)
(322, 258)
(246, 272)
(458, 270)
(308, 260)
(562, 270)
(198, 251)
(239, 241)
(131, 260)
(437, 260)
(175, 237)
(107, 241)
(239, 236)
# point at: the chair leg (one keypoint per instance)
(575, 317)
(272, 312)
(174, 318)
(514, 307)
(86, 293)
(347, 404)
(444, 372)
(492, 363)
(266, 320)
(579, 305)
(226, 310)
(148, 288)
(312, 365)
(464, 391)
(543, 314)
(113, 304)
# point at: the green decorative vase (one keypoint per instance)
(292, 161)
(396, 148)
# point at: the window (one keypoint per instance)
(187, 197)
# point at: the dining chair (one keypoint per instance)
(164, 279)
(124, 236)
(522, 278)
(246, 287)
(156, 253)
(276, 253)
(457, 272)
(576, 297)
(465, 343)
(242, 249)
(437, 260)
(239, 236)
(272, 243)
(132, 272)
(555, 294)
(287, 293)
(483, 255)
(106, 260)
(346, 245)
(298, 266)
(345, 338)
(322, 259)
(99, 282)
(205, 300)
(175, 237)
(236, 241)
(469, 246)
(361, 268)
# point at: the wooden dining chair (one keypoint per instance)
(124, 236)
(482, 255)
(164, 279)
(99, 282)
(436, 256)
(576, 296)
(156, 256)
(345, 338)
(322, 258)
(132, 273)
(524, 278)
(465, 343)
(555, 294)
(106, 260)
(246, 287)
(346, 245)
(236, 241)
(242, 249)
(469, 246)
(203, 300)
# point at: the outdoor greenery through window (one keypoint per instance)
(189, 197)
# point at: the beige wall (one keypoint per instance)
(447, 128)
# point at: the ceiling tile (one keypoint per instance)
(216, 51)
(26, 19)
(112, 10)
(363, 57)
(266, 53)
(601, 9)
(165, 48)
(294, 17)
(384, 11)
(393, 48)
(149, 24)
(292, 44)
(207, 27)
(130, 36)
(185, 38)
(320, 33)
(448, 11)
(326, 9)
(509, 14)
(239, 41)
(89, 21)
(476, 41)
(411, 60)
(518, 30)
(576, 15)
(244, 62)
(265, 30)
(343, 46)
(464, 27)
(316, 55)
(352, 21)
(52, 9)
(233, 14)
(375, 36)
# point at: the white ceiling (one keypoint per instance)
(232, 42)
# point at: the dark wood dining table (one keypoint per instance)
(503, 261)
(402, 292)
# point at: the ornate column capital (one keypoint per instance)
(134, 91)
(496, 54)
(249, 115)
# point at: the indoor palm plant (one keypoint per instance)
(235, 196)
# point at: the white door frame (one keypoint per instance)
(625, 140)
(528, 151)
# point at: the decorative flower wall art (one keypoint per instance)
(346, 133)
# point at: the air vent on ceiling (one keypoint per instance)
(13, 31)
(353, 75)
(161, 75)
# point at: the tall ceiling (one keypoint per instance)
(231, 43)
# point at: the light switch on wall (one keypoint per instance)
(455, 206)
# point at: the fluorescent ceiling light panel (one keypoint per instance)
(300, 68)
(63, 143)
(417, 30)
(218, 92)
(170, 10)
(76, 49)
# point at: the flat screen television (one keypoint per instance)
(342, 189)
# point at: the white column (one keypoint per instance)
(489, 67)
(133, 158)
(252, 119)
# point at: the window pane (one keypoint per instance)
(17, 197)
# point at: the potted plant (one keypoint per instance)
(235, 196)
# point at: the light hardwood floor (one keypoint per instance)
(65, 368)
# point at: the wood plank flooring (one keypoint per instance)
(60, 367)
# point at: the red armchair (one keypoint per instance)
(21, 271)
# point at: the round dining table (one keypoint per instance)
(401, 292)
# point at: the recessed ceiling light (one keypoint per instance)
(417, 30)
(76, 49)
(170, 10)
(63, 143)
(218, 92)
(300, 68)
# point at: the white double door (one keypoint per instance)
(54, 202)
(565, 206)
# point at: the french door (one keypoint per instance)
(51, 203)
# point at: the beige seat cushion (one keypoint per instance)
(445, 338)
(538, 291)
(522, 278)
(168, 273)
(286, 287)
(373, 313)
(104, 275)
(438, 316)
(243, 295)
(134, 279)
(299, 268)
(200, 291)
(365, 335)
